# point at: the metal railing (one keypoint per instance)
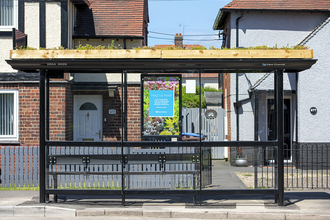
(305, 166)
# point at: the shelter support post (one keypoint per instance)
(47, 130)
(280, 136)
(42, 149)
(123, 129)
(200, 136)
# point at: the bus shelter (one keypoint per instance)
(152, 147)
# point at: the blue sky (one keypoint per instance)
(188, 17)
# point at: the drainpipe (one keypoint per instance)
(237, 107)
(297, 117)
(237, 22)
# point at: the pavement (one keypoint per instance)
(299, 204)
(306, 204)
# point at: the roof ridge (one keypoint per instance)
(319, 5)
(315, 31)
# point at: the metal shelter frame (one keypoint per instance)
(52, 67)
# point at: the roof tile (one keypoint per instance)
(112, 17)
(279, 4)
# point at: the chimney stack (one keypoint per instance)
(178, 40)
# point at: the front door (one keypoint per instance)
(287, 125)
(87, 118)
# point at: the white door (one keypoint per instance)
(87, 118)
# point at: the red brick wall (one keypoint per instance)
(29, 114)
(61, 113)
(60, 103)
(227, 106)
(134, 113)
(112, 125)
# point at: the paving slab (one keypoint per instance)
(309, 204)
(29, 211)
(6, 211)
(59, 212)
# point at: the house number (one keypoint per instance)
(112, 111)
(313, 110)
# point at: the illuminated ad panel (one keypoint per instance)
(161, 105)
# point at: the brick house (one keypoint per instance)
(68, 24)
(278, 23)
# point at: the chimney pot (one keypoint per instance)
(178, 40)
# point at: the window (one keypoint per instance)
(8, 14)
(88, 106)
(9, 115)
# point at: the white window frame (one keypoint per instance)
(15, 19)
(13, 137)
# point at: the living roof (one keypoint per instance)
(159, 60)
(270, 5)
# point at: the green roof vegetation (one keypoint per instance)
(112, 47)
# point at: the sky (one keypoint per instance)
(188, 17)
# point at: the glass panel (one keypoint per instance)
(84, 116)
(154, 164)
(6, 12)
(255, 171)
(190, 106)
(84, 168)
(94, 119)
(161, 106)
(88, 106)
(162, 168)
(7, 114)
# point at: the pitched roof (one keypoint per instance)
(275, 5)
(279, 4)
(112, 18)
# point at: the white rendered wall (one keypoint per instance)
(314, 91)
(6, 44)
(31, 29)
(53, 24)
(246, 113)
(269, 28)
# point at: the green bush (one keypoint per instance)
(191, 100)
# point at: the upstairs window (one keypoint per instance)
(8, 115)
(8, 14)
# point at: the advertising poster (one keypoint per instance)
(161, 105)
